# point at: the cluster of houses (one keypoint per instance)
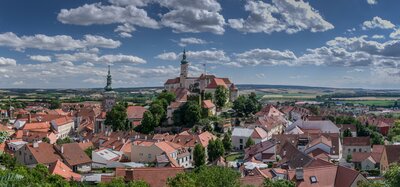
(290, 142)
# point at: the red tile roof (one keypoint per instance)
(207, 104)
(173, 81)
(216, 82)
(44, 153)
(73, 154)
(155, 177)
(135, 112)
(357, 141)
(59, 168)
(40, 126)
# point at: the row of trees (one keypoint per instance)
(394, 132)
(362, 130)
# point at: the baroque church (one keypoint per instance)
(203, 84)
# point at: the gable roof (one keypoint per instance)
(173, 81)
(44, 153)
(155, 177)
(59, 168)
(259, 133)
(242, 132)
(326, 126)
(73, 154)
(207, 104)
(393, 153)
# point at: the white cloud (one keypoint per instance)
(395, 34)
(167, 56)
(125, 30)
(40, 58)
(372, 2)
(66, 63)
(7, 61)
(55, 43)
(97, 13)
(260, 75)
(16, 83)
(186, 41)
(121, 58)
(377, 22)
(265, 57)
(290, 16)
(94, 81)
(182, 15)
(376, 36)
(94, 58)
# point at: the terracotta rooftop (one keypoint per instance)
(216, 82)
(59, 168)
(44, 153)
(357, 141)
(155, 177)
(73, 154)
(135, 112)
(207, 104)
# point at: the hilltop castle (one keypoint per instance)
(202, 84)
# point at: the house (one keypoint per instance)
(209, 106)
(74, 157)
(155, 177)
(333, 175)
(37, 153)
(63, 125)
(135, 114)
(295, 113)
(59, 168)
(391, 154)
(241, 135)
(366, 160)
(15, 145)
(355, 144)
(106, 158)
(171, 109)
(323, 126)
(263, 151)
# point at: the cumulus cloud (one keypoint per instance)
(7, 61)
(377, 22)
(186, 41)
(372, 2)
(182, 15)
(167, 56)
(125, 30)
(376, 36)
(290, 16)
(260, 75)
(395, 34)
(55, 43)
(94, 58)
(265, 57)
(40, 58)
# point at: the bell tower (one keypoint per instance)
(184, 70)
(109, 96)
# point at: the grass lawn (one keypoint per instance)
(234, 157)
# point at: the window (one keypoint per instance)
(349, 150)
(354, 150)
(313, 179)
(360, 150)
(241, 140)
(149, 156)
(30, 157)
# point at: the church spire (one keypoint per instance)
(109, 80)
(184, 61)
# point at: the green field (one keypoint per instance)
(383, 103)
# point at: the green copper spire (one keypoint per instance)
(184, 61)
(109, 80)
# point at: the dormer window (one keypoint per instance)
(313, 179)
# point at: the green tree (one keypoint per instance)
(227, 141)
(239, 105)
(249, 142)
(215, 149)
(278, 183)
(158, 111)
(213, 176)
(89, 151)
(46, 139)
(347, 133)
(392, 175)
(192, 113)
(148, 124)
(221, 96)
(199, 155)
(54, 104)
(394, 131)
(64, 141)
(117, 118)
(208, 96)
(168, 96)
(3, 136)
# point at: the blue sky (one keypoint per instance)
(68, 44)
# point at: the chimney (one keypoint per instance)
(113, 147)
(29, 118)
(123, 140)
(145, 137)
(35, 144)
(299, 174)
(62, 149)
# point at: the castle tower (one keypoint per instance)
(184, 70)
(109, 96)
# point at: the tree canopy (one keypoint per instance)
(199, 155)
(246, 105)
(188, 114)
(215, 149)
(213, 176)
(221, 96)
(148, 123)
(227, 141)
(117, 118)
(249, 142)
